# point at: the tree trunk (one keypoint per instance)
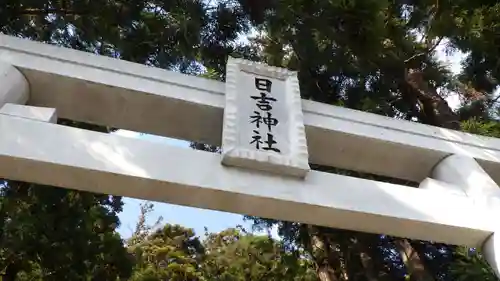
(434, 108)
(321, 255)
(413, 262)
(365, 256)
(10, 272)
(325, 273)
(369, 269)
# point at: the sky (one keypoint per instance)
(216, 221)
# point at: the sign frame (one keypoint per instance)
(296, 162)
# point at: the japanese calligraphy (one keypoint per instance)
(269, 121)
(264, 102)
(263, 84)
(269, 141)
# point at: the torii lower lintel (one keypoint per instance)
(104, 163)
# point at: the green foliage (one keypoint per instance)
(57, 234)
(484, 128)
(236, 255)
(170, 253)
(469, 265)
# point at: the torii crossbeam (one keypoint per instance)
(456, 203)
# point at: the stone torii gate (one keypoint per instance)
(268, 136)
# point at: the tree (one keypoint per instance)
(170, 253)
(173, 252)
(233, 254)
(53, 234)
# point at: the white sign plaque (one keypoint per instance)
(263, 120)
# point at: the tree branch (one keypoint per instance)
(414, 57)
(493, 101)
(429, 50)
(51, 11)
(435, 45)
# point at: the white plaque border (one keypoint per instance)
(297, 163)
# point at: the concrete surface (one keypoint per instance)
(110, 164)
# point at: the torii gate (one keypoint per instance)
(456, 203)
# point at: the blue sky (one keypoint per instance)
(216, 221)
